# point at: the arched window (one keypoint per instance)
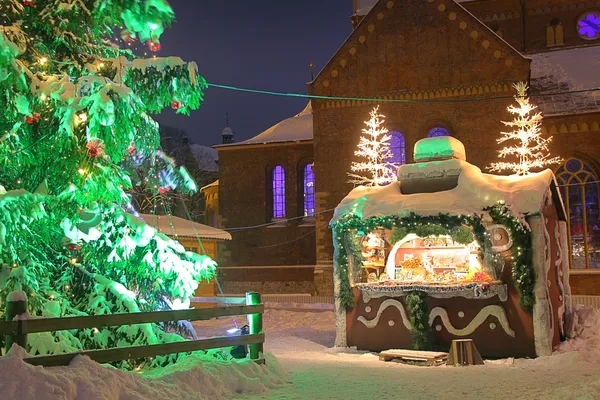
(309, 191)
(278, 192)
(579, 188)
(397, 148)
(555, 35)
(438, 131)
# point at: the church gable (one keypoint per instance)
(420, 49)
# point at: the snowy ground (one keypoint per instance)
(195, 377)
(302, 343)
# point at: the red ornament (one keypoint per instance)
(95, 148)
(131, 148)
(175, 105)
(28, 3)
(73, 247)
(153, 45)
(128, 36)
(36, 117)
(29, 120)
(163, 190)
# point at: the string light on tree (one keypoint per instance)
(75, 102)
(374, 147)
(530, 149)
(81, 118)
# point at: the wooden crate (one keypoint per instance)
(464, 352)
(426, 358)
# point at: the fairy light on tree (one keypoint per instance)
(374, 147)
(75, 129)
(531, 149)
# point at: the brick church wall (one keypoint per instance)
(413, 50)
(245, 201)
(403, 50)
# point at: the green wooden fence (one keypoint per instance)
(16, 330)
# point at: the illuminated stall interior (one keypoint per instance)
(412, 259)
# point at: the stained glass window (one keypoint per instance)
(579, 189)
(397, 148)
(438, 131)
(588, 26)
(278, 192)
(309, 191)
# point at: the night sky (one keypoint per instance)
(262, 44)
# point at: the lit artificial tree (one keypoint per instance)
(374, 148)
(74, 125)
(530, 149)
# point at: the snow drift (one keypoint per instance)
(194, 377)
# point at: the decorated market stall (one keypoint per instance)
(447, 252)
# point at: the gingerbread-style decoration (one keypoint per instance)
(388, 303)
(479, 319)
(501, 239)
(453, 262)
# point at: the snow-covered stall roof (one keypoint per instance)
(171, 225)
(297, 128)
(474, 192)
(562, 71)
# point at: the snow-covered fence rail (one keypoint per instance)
(18, 327)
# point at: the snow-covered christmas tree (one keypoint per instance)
(74, 125)
(530, 149)
(374, 148)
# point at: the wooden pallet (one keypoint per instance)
(425, 358)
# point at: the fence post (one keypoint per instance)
(16, 305)
(255, 324)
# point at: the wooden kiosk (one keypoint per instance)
(466, 255)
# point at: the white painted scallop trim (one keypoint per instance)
(387, 303)
(493, 310)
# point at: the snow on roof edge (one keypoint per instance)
(475, 191)
(295, 129)
(213, 184)
(170, 225)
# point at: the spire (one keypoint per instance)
(227, 134)
(355, 18)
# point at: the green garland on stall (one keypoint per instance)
(522, 267)
(460, 234)
(411, 223)
(418, 311)
(347, 245)
(441, 224)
